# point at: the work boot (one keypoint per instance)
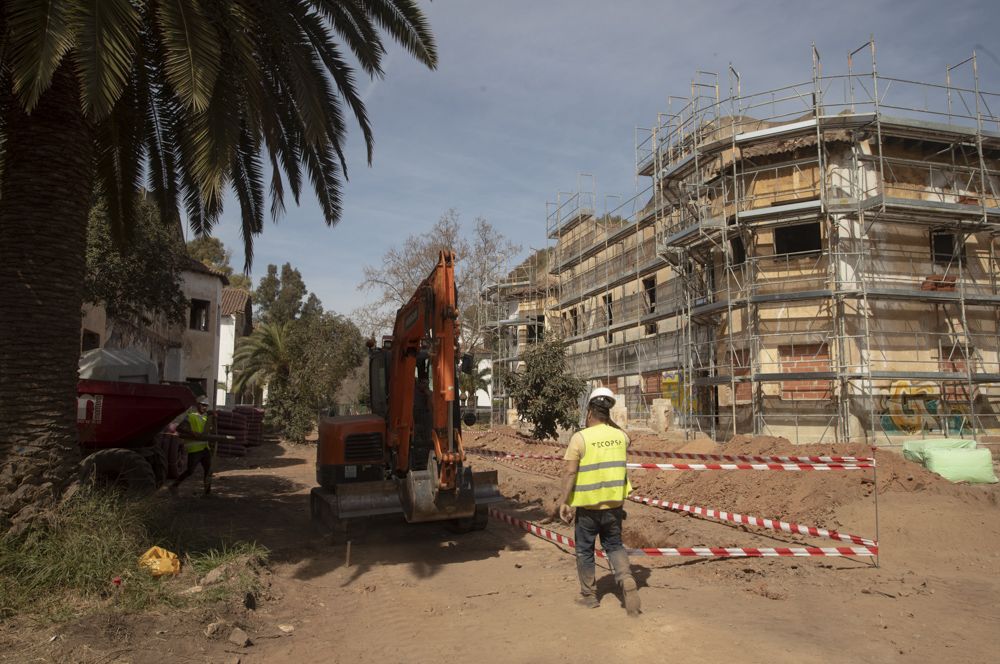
(208, 488)
(173, 488)
(626, 582)
(588, 586)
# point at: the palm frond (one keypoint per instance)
(107, 35)
(407, 24)
(261, 357)
(322, 171)
(248, 181)
(40, 33)
(355, 27)
(191, 51)
(341, 73)
(119, 158)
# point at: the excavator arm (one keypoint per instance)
(366, 465)
(427, 324)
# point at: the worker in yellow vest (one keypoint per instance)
(193, 429)
(595, 486)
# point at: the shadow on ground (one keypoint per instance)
(264, 498)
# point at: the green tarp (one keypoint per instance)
(961, 465)
(915, 450)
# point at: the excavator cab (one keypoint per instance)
(406, 456)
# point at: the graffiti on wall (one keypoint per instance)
(672, 387)
(912, 407)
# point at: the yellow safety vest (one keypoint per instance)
(197, 424)
(601, 480)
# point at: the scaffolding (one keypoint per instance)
(616, 307)
(512, 313)
(835, 248)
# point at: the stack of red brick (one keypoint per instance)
(940, 283)
(231, 423)
(255, 423)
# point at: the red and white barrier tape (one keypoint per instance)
(753, 458)
(693, 466)
(538, 531)
(749, 466)
(771, 524)
(700, 551)
(759, 552)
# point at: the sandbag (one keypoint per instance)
(973, 466)
(915, 450)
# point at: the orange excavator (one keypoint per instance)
(407, 456)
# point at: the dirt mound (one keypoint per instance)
(809, 497)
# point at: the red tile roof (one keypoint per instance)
(197, 266)
(234, 301)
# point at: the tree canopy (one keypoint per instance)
(301, 352)
(196, 93)
(480, 255)
(189, 99)
(280, 298)
(544, 391)
(139, 279)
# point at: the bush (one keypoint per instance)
(544, 392)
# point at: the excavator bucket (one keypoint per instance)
(416, 497)
(423, 501)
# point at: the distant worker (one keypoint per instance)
(595, 483)
(194, 430)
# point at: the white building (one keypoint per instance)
(236, 314)
(182, 353)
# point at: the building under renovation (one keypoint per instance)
(818, 261)
(513, 312)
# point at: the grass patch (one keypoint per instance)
(243, 561)
(67, 562)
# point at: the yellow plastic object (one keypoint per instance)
(159, 561)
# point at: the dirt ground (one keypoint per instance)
(413, 593)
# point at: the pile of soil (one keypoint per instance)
(812, 498)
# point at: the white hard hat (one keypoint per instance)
(602, 392)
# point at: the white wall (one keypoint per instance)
(227, 345)
(484, 399)
(200, 349)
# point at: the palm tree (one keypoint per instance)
(263, 357)
(470, 384)
(186, 97)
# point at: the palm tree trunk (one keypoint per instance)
(45, 198)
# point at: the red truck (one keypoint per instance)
(121, 410)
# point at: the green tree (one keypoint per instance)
(544, 391)
(302, 360)
(279, 298)
(190, 96)
(326, 348)
(134, 290)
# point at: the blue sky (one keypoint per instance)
(527, 95)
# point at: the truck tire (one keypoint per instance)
(173, 452)
(119, 468)
(158, 460)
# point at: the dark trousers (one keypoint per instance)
(591, 524)
(202, 458)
